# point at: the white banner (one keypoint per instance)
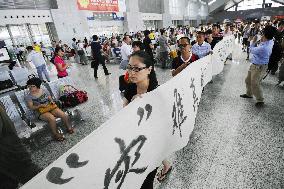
(134, 142)
(220, 53)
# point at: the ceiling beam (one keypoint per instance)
(217, 4)
(232, 3)
(279, 1)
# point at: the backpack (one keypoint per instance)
(275, 55)
(71, 97)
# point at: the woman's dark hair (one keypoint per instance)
(138, 44)
(30, 48)
(95, 37)
(57, 49)
(216, 25)
(34, 81)
(146, 32)
(147, 60)
(269, 32)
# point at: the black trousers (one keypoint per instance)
(95, 64)
(7, 182)
(148, 182)
(164, 58)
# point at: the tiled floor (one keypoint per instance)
(233, 145)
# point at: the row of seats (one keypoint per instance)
(18, 76)
(25, 120)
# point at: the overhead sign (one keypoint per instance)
(98, 5)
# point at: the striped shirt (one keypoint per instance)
(201, 50)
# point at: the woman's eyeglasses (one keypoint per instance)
(135, 69)
(182, 45)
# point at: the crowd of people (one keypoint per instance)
(139, 53)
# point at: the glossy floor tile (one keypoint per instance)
(233, 145)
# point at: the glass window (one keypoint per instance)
(4, 35)
(174, 7)
(20, 35)
(40, 33)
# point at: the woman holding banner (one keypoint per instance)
(143, 79)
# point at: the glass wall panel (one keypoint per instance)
(40, 34)
(174, 7)
(4, 35)
(20, 35)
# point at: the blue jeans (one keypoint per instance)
(42, 69)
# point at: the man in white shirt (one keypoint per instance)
(38, 60)
(125, 51)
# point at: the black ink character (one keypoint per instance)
(54, 176)
(195, 98)
(140, 112)
(123, 167)
(202, 77)
(221, 54)
(55, 173)
(73, 161)
(178, 113)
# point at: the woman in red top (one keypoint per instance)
(60, 65)
(185, 58)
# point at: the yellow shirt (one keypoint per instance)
(37, 48)
(173, 54)
(152, 36)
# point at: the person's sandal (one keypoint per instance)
(58, 137)
(162, 177)
(70, 130)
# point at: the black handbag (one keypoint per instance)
(6, 84)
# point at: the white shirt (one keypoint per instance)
(201, 50)
(125, 51)
(36, 58)
(229, 32)
(80, 46)
(22, 49)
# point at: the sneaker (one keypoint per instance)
(245, 96)
(108, 74)
(259, 104)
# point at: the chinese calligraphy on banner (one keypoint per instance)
(98, 5)
(126, 148)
